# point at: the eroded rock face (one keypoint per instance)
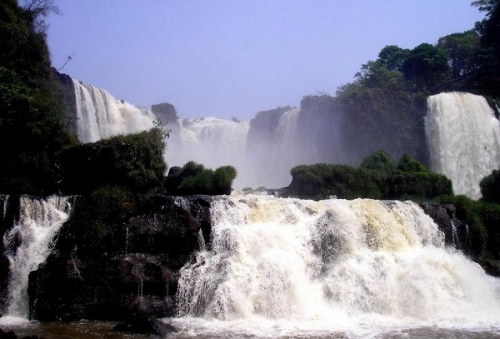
(455, 230)
(134, 272)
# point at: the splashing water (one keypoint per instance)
(464, 139)
(286, 267)
(29, 243)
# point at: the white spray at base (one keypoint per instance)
(38, 224)
(279, 267)
(464, 139)
(99, 115)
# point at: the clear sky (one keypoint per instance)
(228, 58)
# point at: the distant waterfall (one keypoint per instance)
(28, 244)
(99, 115)
(210, 141)
(290, 264)
(464, 139)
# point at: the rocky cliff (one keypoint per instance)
(130, 266)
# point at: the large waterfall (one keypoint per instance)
(286, 267)
(216, 142)
(99, 115)
(464, 139)
(28, 245)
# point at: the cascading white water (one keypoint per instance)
(283, 153)
(464, 139)
(100, 115)
(282, 267)
(39, 222)
(216, 142)
(212, 142)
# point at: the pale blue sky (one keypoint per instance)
(228, 58)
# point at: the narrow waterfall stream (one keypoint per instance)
(29, 243)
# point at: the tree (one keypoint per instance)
(375, 74)
(463, 49)
(33, 124)
(36, 11)
(426, 67)
(393, 57)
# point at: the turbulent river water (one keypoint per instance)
(291, 268)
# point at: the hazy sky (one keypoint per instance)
(228, 58)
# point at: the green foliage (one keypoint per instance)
(379, 161)
(33, 124)
(321, 181)
(376, 179)
(463, 49)
(483, 220)
(490, 187)
(426, 67)
(134, 161)
(407, 163)
(223, 179)
(194, 178)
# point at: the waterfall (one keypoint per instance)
(99, 115)
(29, 243)
(5, 202)
(284, 154)
(212, 142)
(293, 265)
(464, 139)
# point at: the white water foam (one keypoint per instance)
(28, 244)
(464, 139)
(289, 267)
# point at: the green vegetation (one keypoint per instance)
(194, 178)
(33, 120)
(377, 178)
(134, 161)
(379, 161)
(483, 219)
(466, 61)
(490, 187)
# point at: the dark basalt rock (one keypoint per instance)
(136, 275)
(455, 230)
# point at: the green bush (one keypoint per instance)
(194, 178)
(407, 163)
(321, 181)
(376, 179)
(379, 161)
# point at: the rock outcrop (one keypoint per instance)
(131, 271)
